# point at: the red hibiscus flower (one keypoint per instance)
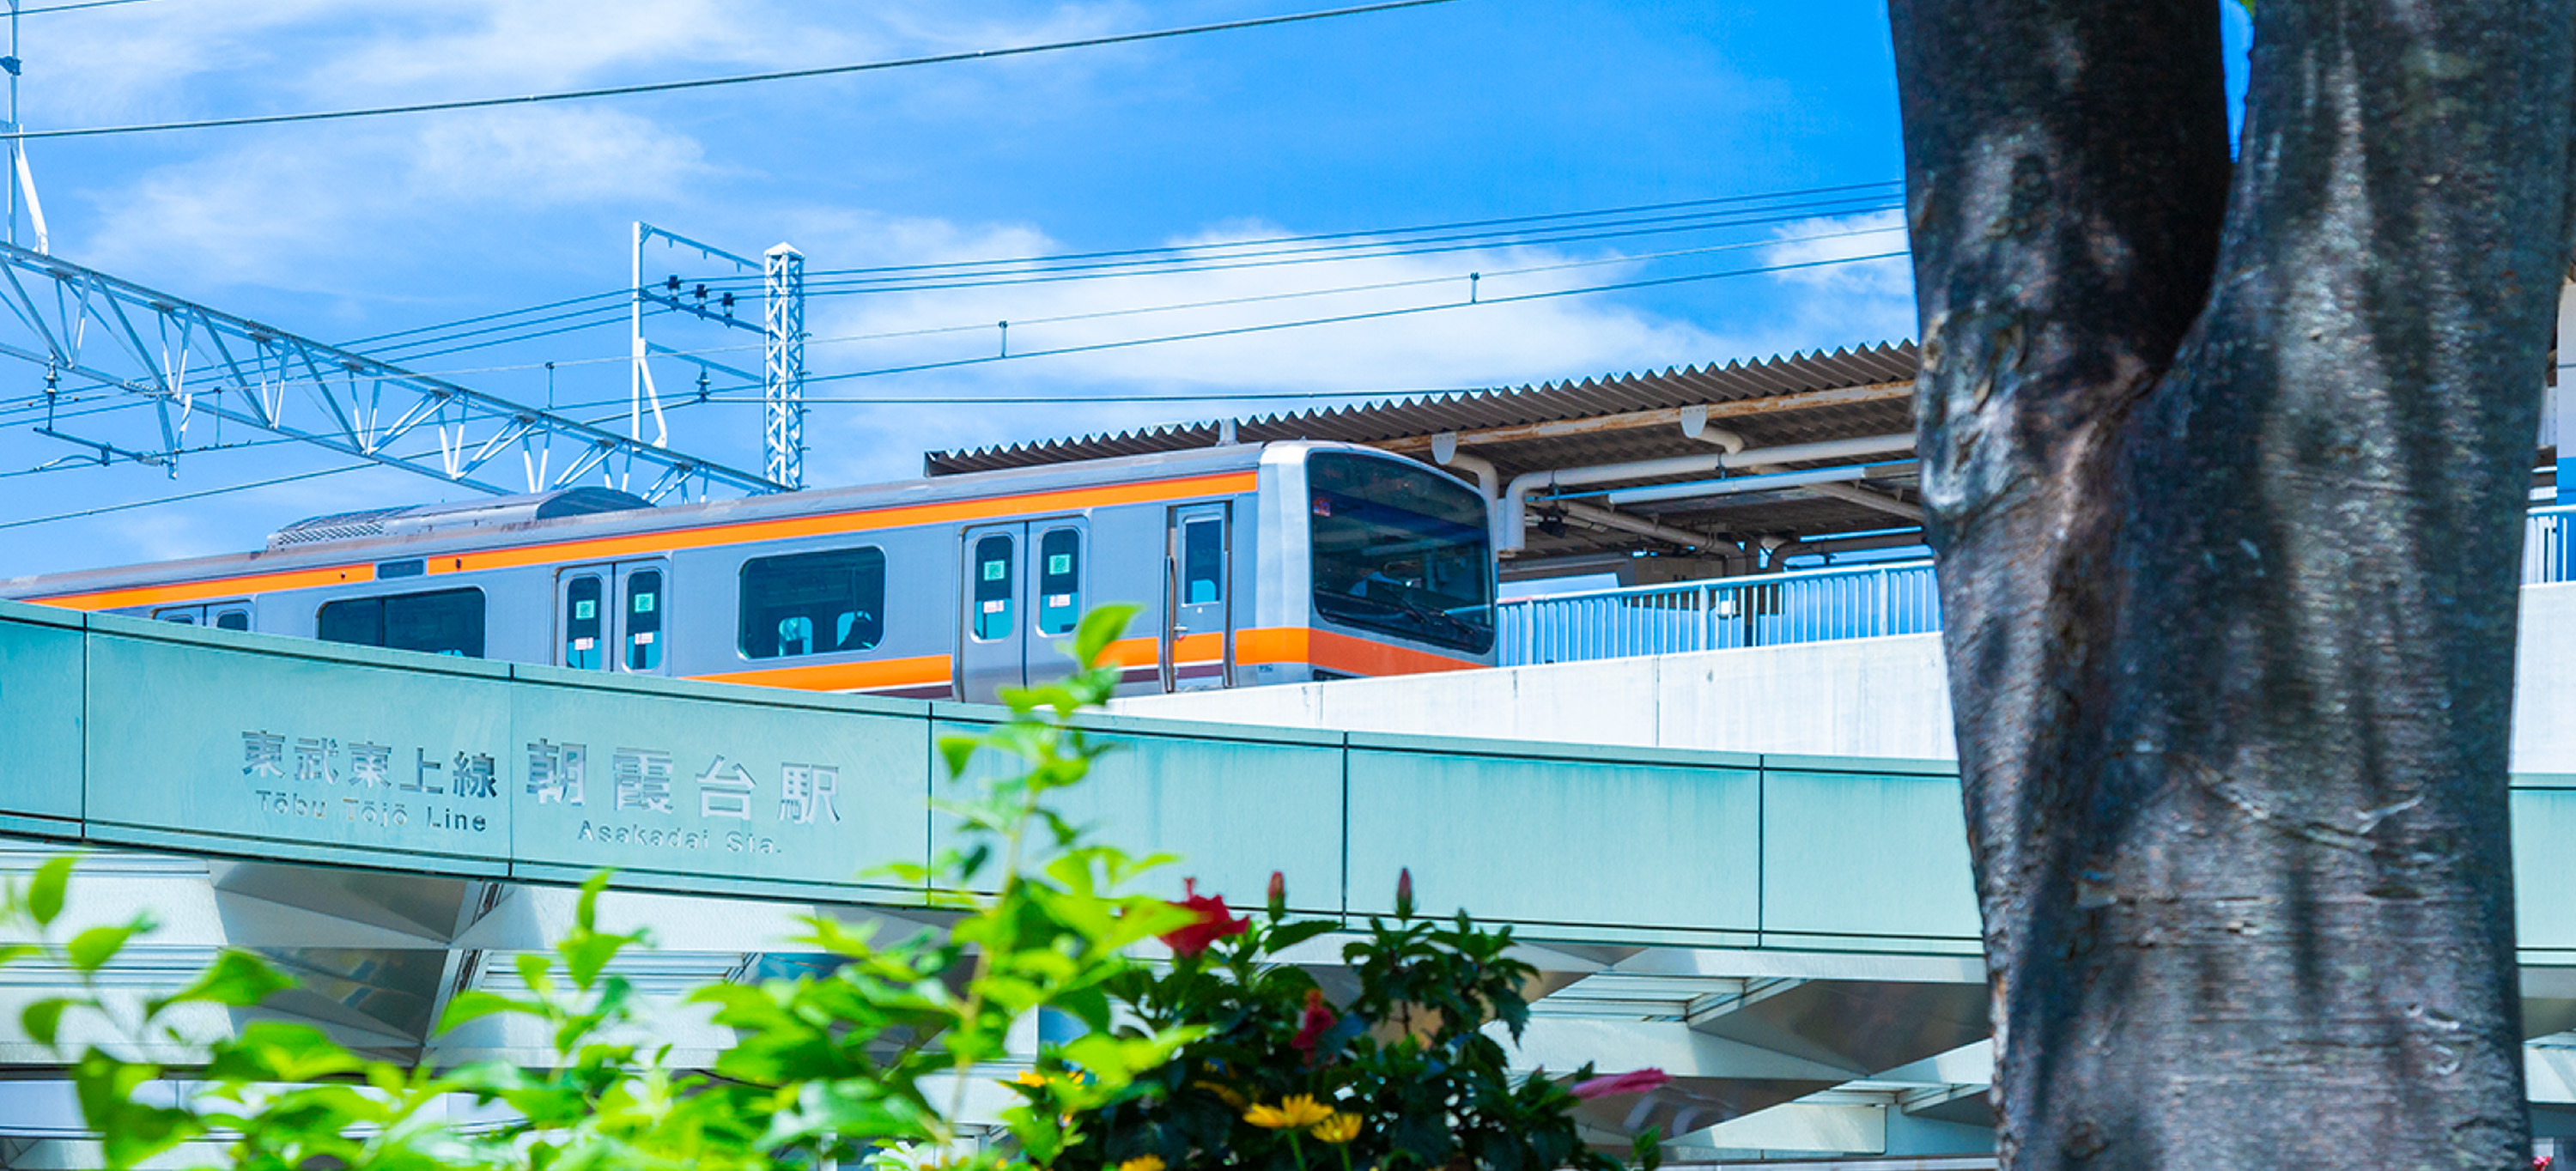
(1312, 1024)
(1635, 1081)
(1214, 922)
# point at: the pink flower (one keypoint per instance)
(1214, 922)
(1312, 1024)
(1635, 1081)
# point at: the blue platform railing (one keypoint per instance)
(1813, 606)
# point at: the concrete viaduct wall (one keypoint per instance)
(1862, 697)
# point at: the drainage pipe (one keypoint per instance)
(1511, 527)
(1444, 452)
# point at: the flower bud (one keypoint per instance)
(1404, 893)
(1278, 894)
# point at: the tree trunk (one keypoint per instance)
(2226, 468)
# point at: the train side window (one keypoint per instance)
(440, 622)
(644, 620)
(993, 588)
(812, 603)
(1202, 561)
(1059, 581)
(582, 622)
(232, 620)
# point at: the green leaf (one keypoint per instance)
(585, 912)
(53, 879)
(44, 1018)
(1099, 629)
(957, 750)
(279, 1051)
(474, 1004)
(1289, 935)
(237, 979)
(92, 949)
(587, 953)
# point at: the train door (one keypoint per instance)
(1023, 587)
(1198, 577)
(610, 617)
(221, 615)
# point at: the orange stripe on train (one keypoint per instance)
(1322, 648)
(746, 532)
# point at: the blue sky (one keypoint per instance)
(1474, 109)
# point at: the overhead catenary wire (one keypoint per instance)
(611, 91)
(1199, 335)
(1202, 256)
(77, 6)
(1629, 258)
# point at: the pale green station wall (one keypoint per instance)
(123, 733)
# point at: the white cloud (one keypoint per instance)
(287, 211)
(1840, 300)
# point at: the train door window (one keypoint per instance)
(232, 617)
(993, 586)
(1059, 581)
(183, 615)
(812, 603)
(1202, 561)
(644, 620)
(1197, 640)
(584, 624)
(439, 622)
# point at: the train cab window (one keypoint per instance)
(993, 588)
(1059, 581)
(441, 622)
(644, 620)
(812, 603)
(1202, 561)
(582, 623)
(1401, 550)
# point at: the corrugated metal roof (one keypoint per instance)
(1379, 423)
(1796, 398)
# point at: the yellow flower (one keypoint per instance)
(1338, 1129)
(1030, 1078)
(1224, 1093)
(1296, 1113)
(1143, 1163)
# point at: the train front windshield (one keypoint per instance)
(1400, 550)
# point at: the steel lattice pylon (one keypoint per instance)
(187, 359)
(783, 376)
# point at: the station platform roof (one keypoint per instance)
(1791, 401)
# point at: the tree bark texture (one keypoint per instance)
(2226, 464)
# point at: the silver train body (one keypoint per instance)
(1250, 564)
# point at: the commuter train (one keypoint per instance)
(1253, 564)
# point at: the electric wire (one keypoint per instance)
(76, 7)
(1129, 343)
(1455, 225)
(735, 79)
(1364, 250)
(403, 353)
(1344, 318)
(1141, 310)
(1193, 250)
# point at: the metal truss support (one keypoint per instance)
(187, 359)
(782, 326)
(783, 376)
